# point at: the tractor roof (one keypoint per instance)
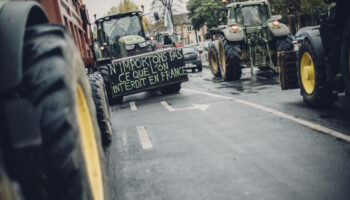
(121, 15)
(247, 3)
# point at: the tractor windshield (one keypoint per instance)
(252, 15)
(114, 29)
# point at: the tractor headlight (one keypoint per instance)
(130, 47)
(142, 44)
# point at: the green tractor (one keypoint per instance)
(129, 62)
(252, 37)
(322, 67)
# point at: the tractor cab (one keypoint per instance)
(250, 15)
(122, 35)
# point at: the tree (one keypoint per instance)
(174, 6)
(209, 12)
(127, 6)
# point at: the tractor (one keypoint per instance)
(129, 62)
(252, 36)
(322, 67)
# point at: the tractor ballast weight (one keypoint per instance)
(255, 34)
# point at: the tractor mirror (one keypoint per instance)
(156, 16)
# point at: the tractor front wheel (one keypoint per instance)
(214, 61)
(230, 60)
(171, 89)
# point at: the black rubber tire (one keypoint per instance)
(193, 70)
(52, 73)
(345, 60)
(102, 108)
(231, 58)
(171, 89)
(285, 43)
(200, 68)
(106, 77)
(322, 95)
(214, 62)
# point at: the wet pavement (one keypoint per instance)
(228, 140)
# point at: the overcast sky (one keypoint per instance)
(101, 7)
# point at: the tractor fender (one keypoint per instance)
(233, 36)
(279, 31)
(15, 16)
(314, 37)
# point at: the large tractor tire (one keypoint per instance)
(171, 89)
(213, 60)
(314, 87)
(345, 56)
(230, 60)
(106, 77)
(54, 81)
(285, 43)
(102, 107)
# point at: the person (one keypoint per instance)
(167, 40)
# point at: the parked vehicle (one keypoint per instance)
(322, 67)
(192, 58)
(50, 140)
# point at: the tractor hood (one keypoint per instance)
(131, 39)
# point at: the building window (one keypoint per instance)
(189, 28)
(199, 38)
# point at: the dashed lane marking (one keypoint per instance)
(143, 137)
(308, 124)
(133, 106)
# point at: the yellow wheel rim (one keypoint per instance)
(89, 146)
(214, 63)
(307, 71)
(223, 58)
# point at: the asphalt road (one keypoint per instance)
(229, 140)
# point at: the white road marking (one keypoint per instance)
(124, 139)
(133, 106)
(125, 145)
(143, 137)
(201, 107)
(308, 124)
(167, 106)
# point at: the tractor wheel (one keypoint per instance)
(102, 108)
(106, 77)
(285, 44)
(54, 81)
(171, 89)
(230, 60)
(214, 61)
(282, 44)
(314, 88)
(345, 56)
